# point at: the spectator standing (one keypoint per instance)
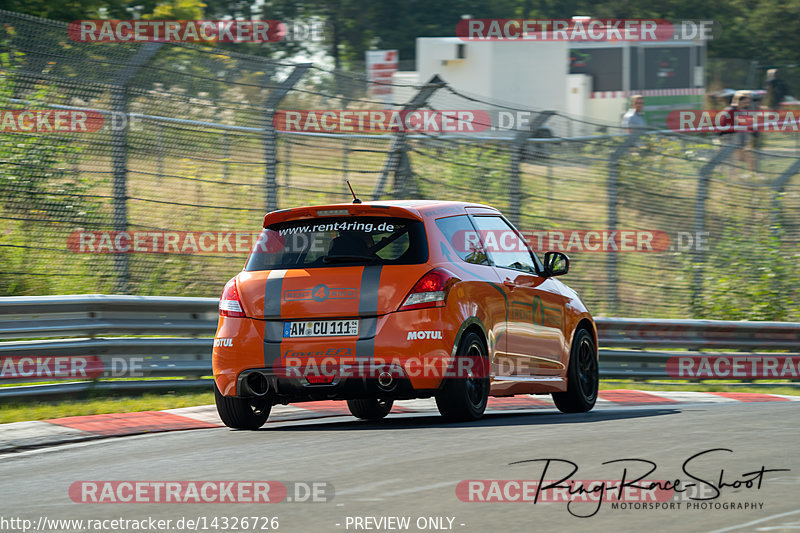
(776, 90)
(634, 118)
(743, 140)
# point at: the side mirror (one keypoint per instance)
(556, 264)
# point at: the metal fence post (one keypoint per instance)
(271, 138)
(287, 157)
(550, 190)
(119, 156)
(161, 152)
(345, 160)
(226, 150)
(703, 179)
(404, 184)
(778, 186)
(517, 153)
(394, 162)
(612, 190)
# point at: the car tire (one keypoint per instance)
(242, 413)
(583, 376)
(464, 398)
(370, 408)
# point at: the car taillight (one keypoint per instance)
(229, 303)
(430, 290)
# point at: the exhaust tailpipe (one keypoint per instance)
(257, 383)
(386, 381)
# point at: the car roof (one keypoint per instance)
(419, 209)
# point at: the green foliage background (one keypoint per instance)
(762, 30)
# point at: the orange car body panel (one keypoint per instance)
(527, 323)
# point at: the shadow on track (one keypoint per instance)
(488, 420)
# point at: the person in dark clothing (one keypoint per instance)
(776, 90)
(744, 140)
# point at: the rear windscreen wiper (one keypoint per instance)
(386, 241)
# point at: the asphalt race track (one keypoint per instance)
(410, 464)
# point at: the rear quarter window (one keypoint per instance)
(462, 237)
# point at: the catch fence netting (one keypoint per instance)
(188, 145)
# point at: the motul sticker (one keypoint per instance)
(423, 335)
(223, 342)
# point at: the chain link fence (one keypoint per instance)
(188, 144)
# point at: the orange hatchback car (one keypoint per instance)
(379, 301)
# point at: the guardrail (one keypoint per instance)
(640, 348)
(169, 337)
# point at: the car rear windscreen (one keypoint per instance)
(340, 241)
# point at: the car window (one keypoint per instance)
(339, 241)
(503, 245)
(463, 238)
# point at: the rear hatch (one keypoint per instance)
(340, 265)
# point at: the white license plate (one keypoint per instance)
(320, 328)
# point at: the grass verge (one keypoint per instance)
(707, 386)
(24, 411)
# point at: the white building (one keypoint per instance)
(587, 80)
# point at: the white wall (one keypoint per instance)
(402, 95)
(437, 55)
(527, 75)
(531, 75)
(607, 110)
(579, 89)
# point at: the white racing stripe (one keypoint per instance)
(367, 487)
(693, 397)
(421, 488)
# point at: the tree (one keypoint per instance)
(177, 10)
(755, 30)
(67, 11)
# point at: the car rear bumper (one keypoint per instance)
(415, 346)
(285, 389)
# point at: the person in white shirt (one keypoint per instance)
(633, 118)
